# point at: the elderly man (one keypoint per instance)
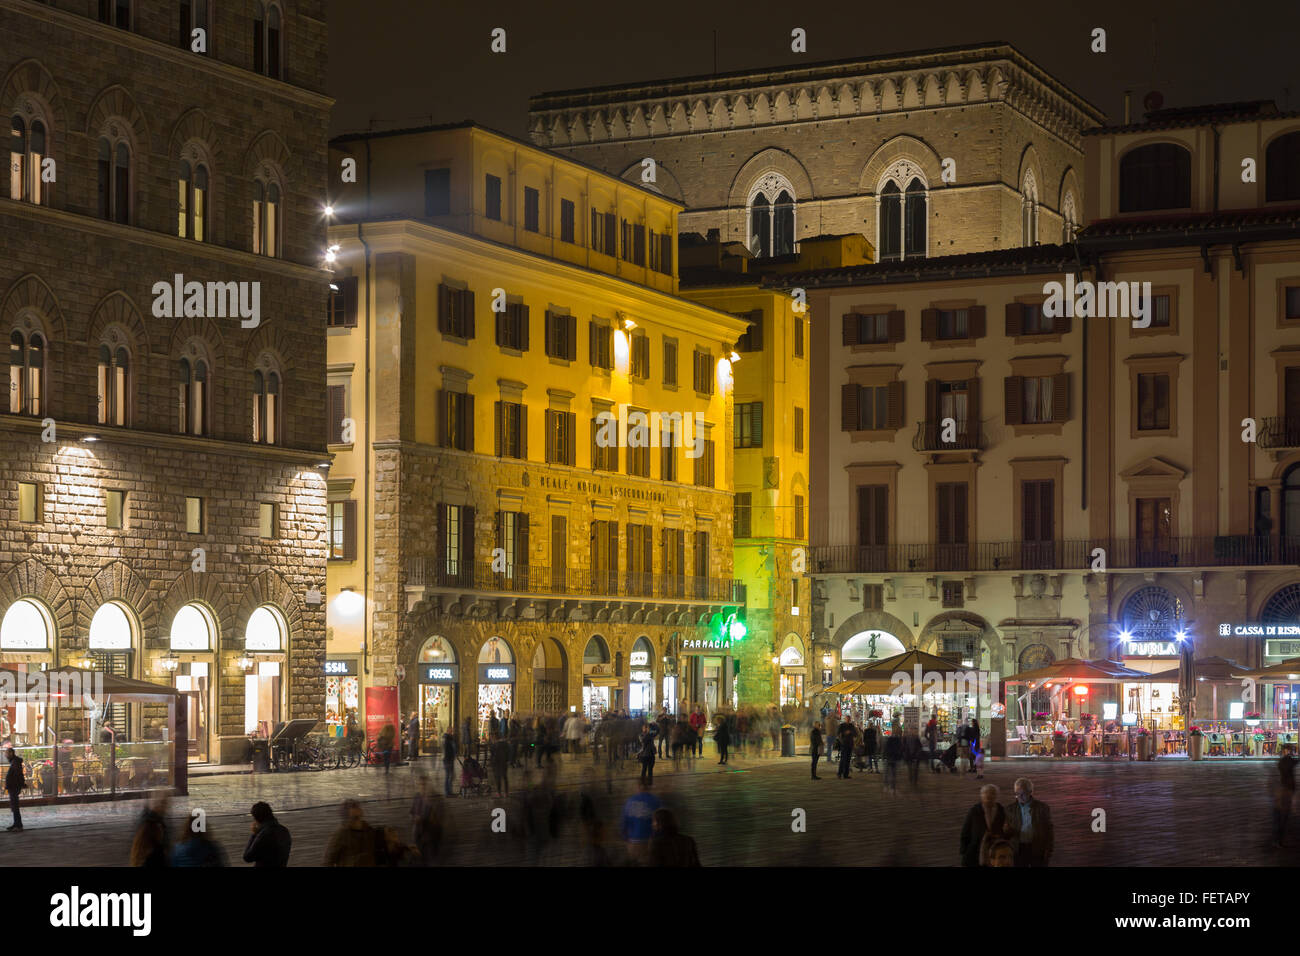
(985, 823)
(1029, 826)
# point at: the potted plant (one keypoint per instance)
(1143, 743)
(1195, 743)
(1252, 719)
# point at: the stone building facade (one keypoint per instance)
(162, 501)
(926, 154)
(490, 553)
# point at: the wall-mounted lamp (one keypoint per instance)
(329, 210)
(90, 438)
(629, 325)
(734, 357)
(169, 662)
(244, 663)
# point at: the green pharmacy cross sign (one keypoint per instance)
(722, 631)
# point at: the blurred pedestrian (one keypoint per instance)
(448, 760)
(893, 754)
(413, 735)
(871, 741)
(985, 823)
(270, 844)
(973, 739)
(912, 754)
(426, 822)
(150, 846)
(638, 823)
(386, 741)
(1029, 826)
(355, 842)
(1001, 853)
(668, 847)
(698, 721)
(499, 759)
(932, 740)
(721, 737)
(15, 781)
(1283, 793)
(197, 848)
(815, 747)
(845, 735)
(647, 755)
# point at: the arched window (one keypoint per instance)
(26, 373)
(192, 201)
(27, 626)
(193, 629)
(266, 404)
(596, 651)
(496, 651)
(192, 397)
(114, 382)
(1290, 529)
(771, 217)
(1029, 210)
(266, 630)
(114, 181)
(194, 16)
(1282, 608)
(266, 218)
(1158, 176)
(902, 213)
(1152, 614)
(267, 49)
(116, 13)
(26, 151)
(1069, 218)
(111, 629)
(1282, 168)
(437, 650)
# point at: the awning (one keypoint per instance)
(597, 681)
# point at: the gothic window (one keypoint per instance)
(192, 200)
(192, 400)
(26, 151)
(114, 168)
(903, 212)
(266, 403)
(26, 373)
(1282, 169)
(194, 16)
(1069, 218)
(114, 373)
(267, 228)
(771, 217)
(267, 40)
(1029, 210)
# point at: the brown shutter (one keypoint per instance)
(336, 396)
(929, 325)
(1013, 390)
(931, 399)
(350, 302)
(467, 403)
(851, 328)
(469, 313)
(570, 449)
(849, 416)
(522, 551)
(350, 530)
(973, 409)
(444, 308)
(442, 418)
(523, 431)
(613, 556)
(591, 341)
(977, 321)
(550, 335)
(467, 544)
(440, 543)
(1015, 319)
(572, 338)
(499, 415)
(648, 556)
(894, 405)
(1061, 397)
(523, 328)
(897, 325)
(497, 526)
(502, 318)
(550, 449)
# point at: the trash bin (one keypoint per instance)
(787, 741)
(260, 753)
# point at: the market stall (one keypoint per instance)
(941, 688)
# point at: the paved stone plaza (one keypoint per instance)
(1157, 814)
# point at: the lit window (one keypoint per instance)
(114, 372)
(26, 151)
(26, 373)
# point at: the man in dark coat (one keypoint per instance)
(1029, 827)
(985, 822)
(270, 844)
(722, 737)
(448, 760)
(846, 733)
(815, 747)
(413, 735)
(972, 743)
(15, 780)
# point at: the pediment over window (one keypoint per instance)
(1153, 468)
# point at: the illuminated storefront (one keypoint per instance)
(707, 671)
(867, 646)
(26, 641)
(1152, 639)
(496, 683)
(266, 640)
(190, 663)
(641, 679)
(113, 639)
(439, 682)
(342, 695)
(598, 680)
(794, 671)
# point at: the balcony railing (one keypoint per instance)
(1221, 551)
(967, 437)
(1279, 432)
(426, 571)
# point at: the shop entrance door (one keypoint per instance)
(437, 715)
(192, 681)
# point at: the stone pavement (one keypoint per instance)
(1165, 813)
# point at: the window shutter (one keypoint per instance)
(929, 325)
(973, 409)
(551, 344)
(1013, 390)
(467, 544)
(1061, 397)
(569, 448)
(468, 302)
(498, 414)
(591, 341)
(1015, 318)
(897, 325)
(850, 328)
(594, 227)
(442, 418)
(336, 396)
(612, 527)
(497, 526)
(523, 328)
(522, 425)
(758, 424)
(849, 417)
(572, 321)
(647, 556)
(977, 321)
(552, 449)
(444, 308)
(440, 542)
(350, 302)
(349, 530)
(595, 449)
(501, 319)
(894, 405)
(932, 412)
(681, 553)
(522, 551)
(611, 221)
(468, 404)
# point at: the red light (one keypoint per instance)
(1081, 690)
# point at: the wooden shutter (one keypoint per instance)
(440, 543)
(523, 431)
(467, 544)
(1013, 387)
(648, 557)
(1015, 318)
(612, 528)
(595, 231)
(757, 425)
(350, 302)
(973, 409)
(894, 405)
(591, 341)
(932, 400)
(337, 393)
(499, 414)
(444, 308)
(611, 221)
(523, 328)
(502, 326)
(977, 321)
(550, 445)
(929, 325)
(350, 530)
(498, 530)
(442, 418)
(1061, 397)
(467, 403)
(559, 550)
(897, 325)
(851, 328)
(570, 436)
(521, 550)
(552, 346)
(849, 414)
(468, 303)
(572, 337)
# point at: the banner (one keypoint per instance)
(381, 709)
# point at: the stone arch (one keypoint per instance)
(1030, 168)
(116, 308)
(666, 183)
(269, 587)
(958, 620)
(30, 77)
(902, 147)
(268, 148)
(1131, 583)
(33, 579)
(191, 587)
(770, 159)
(113, 102)
(117, 581)
(32, 292)
(203, 329)
(270, 340)
(872, 621)
(194, 124)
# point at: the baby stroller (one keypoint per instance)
(949, 758)
(473, 779)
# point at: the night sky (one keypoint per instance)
(397, 63)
